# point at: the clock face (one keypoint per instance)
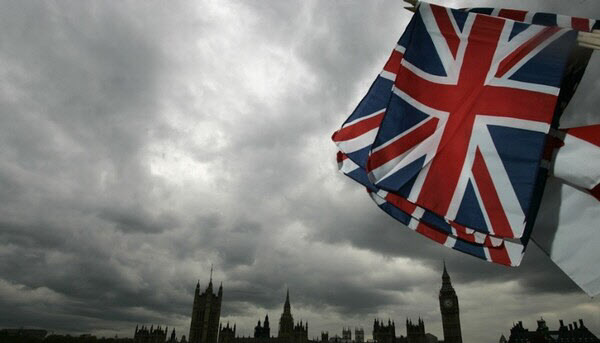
(448, 303)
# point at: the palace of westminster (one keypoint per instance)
(205, 326)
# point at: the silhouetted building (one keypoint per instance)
(324, 336)
(450, 310)
(152, 335)
(346, 335)
(415, 333)
(24, 333)
(383, 333)
(573, 333)
(173, 338)
(227, 334)
(288, 331)
(286, 322)
(300, 334)
(263, 331)
(206, 313)
(359, 335)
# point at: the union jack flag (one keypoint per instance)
(355, 138)
(465, 127)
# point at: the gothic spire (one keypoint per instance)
(210, 285)
(286, 306)
(446, 284)
(445, 275)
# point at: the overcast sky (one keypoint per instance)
(141, 142)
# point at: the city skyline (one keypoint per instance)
(448, 300)
(143, 142)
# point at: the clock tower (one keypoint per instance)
(449, 309)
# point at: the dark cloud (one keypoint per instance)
(143, 143)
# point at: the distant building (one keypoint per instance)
(173, 338)
(227, 334)
(324, 336)
(24, 333)
(359, 335)
(263, 331)
(346, 335)
(288, 332)
(450, 311)
(573, 333)
(383, 333)
(415, 333)
(152, 335)
(206, 314)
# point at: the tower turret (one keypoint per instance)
(206, 313)
(450, 310)
(286, 322)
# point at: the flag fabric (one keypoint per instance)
(405, 127)
(419, 220)
(358, 132)
(567, 231)
(577, 159)
(566, 228)
(358, 174)
(539, 18)
(473, 87)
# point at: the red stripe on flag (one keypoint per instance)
(442, 18)
(523, 104)
(589, 133)
(490, 199)
(341, 156)
(512, 14)
(524, 49)
(459, 228)
(393, 63)
(500, 255)
(358, 129)
(580, 24)
(431, 233)
(402, 145)
(400, 203)
(465, 237)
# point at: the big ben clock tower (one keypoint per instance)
(449, 309)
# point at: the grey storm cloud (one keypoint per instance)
(143, 142)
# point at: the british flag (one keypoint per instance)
(465, 127)
(355, 138)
